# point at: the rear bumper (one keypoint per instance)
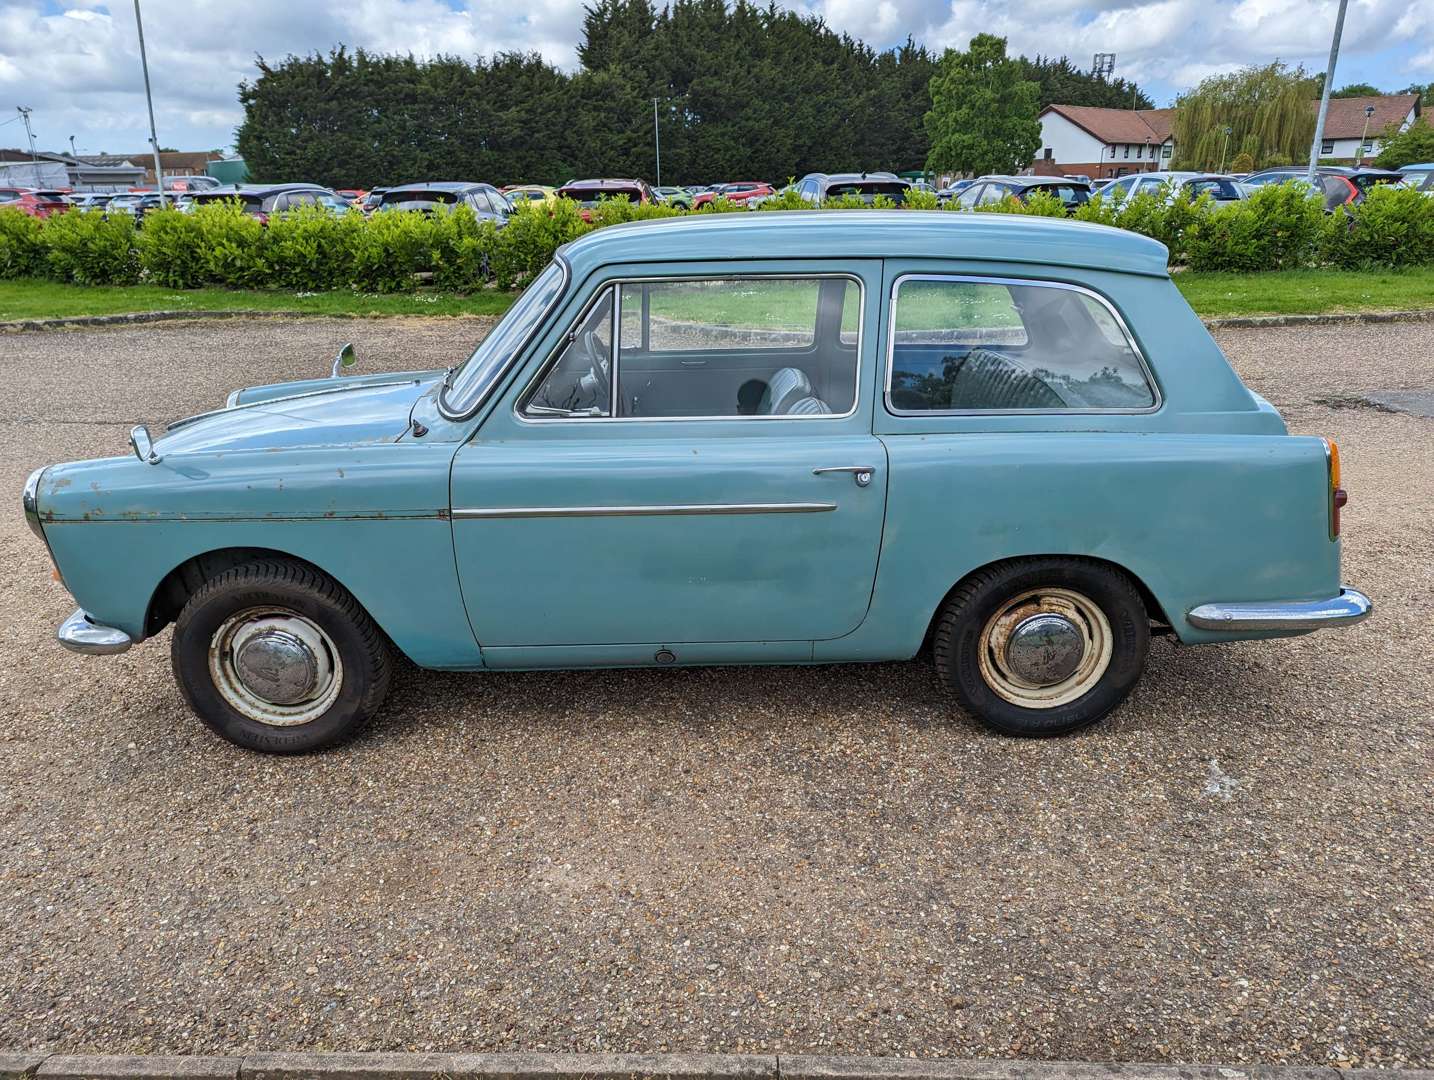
(1346, 609)
(79, 634)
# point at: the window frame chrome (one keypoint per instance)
(501, 375)
(982, 279)
(616, 283)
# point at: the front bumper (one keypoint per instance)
(79, 634)
(1346, 609)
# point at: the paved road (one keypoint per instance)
(1236, 867)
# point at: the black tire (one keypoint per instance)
(958, 641)
(360, 646)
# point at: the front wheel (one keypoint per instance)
(275, 656)
(1042, 647)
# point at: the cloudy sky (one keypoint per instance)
(76, 61)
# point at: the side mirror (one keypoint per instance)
(143, 445)
(346, 358)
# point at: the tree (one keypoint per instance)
(1425, 92)
(1414, 144)
(984, 114)
(1357, 89)
(1267, 110)
(1062, 83)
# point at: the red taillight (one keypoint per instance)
(1353, 191)
(1338, 497)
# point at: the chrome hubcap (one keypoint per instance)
(275, 666)
(1044, 649)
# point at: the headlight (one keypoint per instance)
(30, 500)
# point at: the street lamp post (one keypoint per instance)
(656, 139)
(1324, 94)
(149, 100)
(1225, 147)
(1359, 154)
(1147, 152)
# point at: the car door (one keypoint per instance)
(683, 480)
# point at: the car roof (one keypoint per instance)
(256, 189)
(869, 234)
(856, 178)
(609, 182)
(439, 185)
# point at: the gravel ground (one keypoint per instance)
(1236, 867)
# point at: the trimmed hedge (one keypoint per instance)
(1277, 228)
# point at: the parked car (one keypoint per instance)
(370, 201)
(36, 202)
(1419, 177)
(190, 183)
(88, 200)
(992, 189)
(1221, 187)
(817, 188)
(674, 196)
(264, 200)
(1340, 185)
(518, 194)
(485, 200)
(737, 192)
(588, 193)
(946, 194)
(879, 443)
(351, 195)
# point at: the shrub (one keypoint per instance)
(390, 248)
(1280, 227)
(462, 249)
(87, 248)
(526, 244)
(786, 199)
(311, 248)
(1391, 227)
(1099, 209)
(22, 252)
(1038, 204)
(916, 199)
(171, 251)
(722, 205)
(1243, 163)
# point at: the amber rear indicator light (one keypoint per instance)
(1338, 497)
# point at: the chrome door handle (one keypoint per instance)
(860, 473)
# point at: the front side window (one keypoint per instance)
(711, 348)
(961, 345)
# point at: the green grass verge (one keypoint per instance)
(32, 299)
(1286, 292)
(1308, 292)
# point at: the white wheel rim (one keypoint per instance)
(1079, 626)
(275, 666)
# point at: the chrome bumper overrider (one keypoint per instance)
(1346, 609)
(79, 634)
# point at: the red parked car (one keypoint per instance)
(739, 191)
(587, 193)
(33, 201)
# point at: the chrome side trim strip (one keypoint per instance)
(1346, 609)
(661, 510)
(79, 634)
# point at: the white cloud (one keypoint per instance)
(77, 63)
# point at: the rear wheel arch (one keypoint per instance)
(1160, 623)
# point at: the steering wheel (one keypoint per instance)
(595, 350)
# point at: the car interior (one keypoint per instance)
(1063, 351)
(682, 355)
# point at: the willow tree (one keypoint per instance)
(1268, 110)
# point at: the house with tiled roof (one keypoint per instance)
(1104, 143)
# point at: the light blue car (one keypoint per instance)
(782, 438)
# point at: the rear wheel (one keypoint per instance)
(275, 656)
(1042, 646)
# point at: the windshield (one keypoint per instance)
(475, 377)
(591, 197)
(418, 200)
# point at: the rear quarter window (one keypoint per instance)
(960, 345)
